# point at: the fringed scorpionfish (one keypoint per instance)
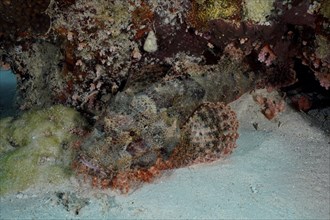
(162, 120)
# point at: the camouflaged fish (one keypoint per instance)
(181, 118)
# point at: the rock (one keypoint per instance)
(40, 152)
(150, 45)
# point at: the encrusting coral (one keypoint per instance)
(35, 147)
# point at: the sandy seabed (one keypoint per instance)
(279, 171)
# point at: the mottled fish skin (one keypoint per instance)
(209, 133)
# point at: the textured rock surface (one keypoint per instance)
(96, 45)
(35, 148)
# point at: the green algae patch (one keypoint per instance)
(35, 148)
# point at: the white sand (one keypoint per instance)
(275, 173)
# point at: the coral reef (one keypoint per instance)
(35, 148)
(153, 77)
(97, 44)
